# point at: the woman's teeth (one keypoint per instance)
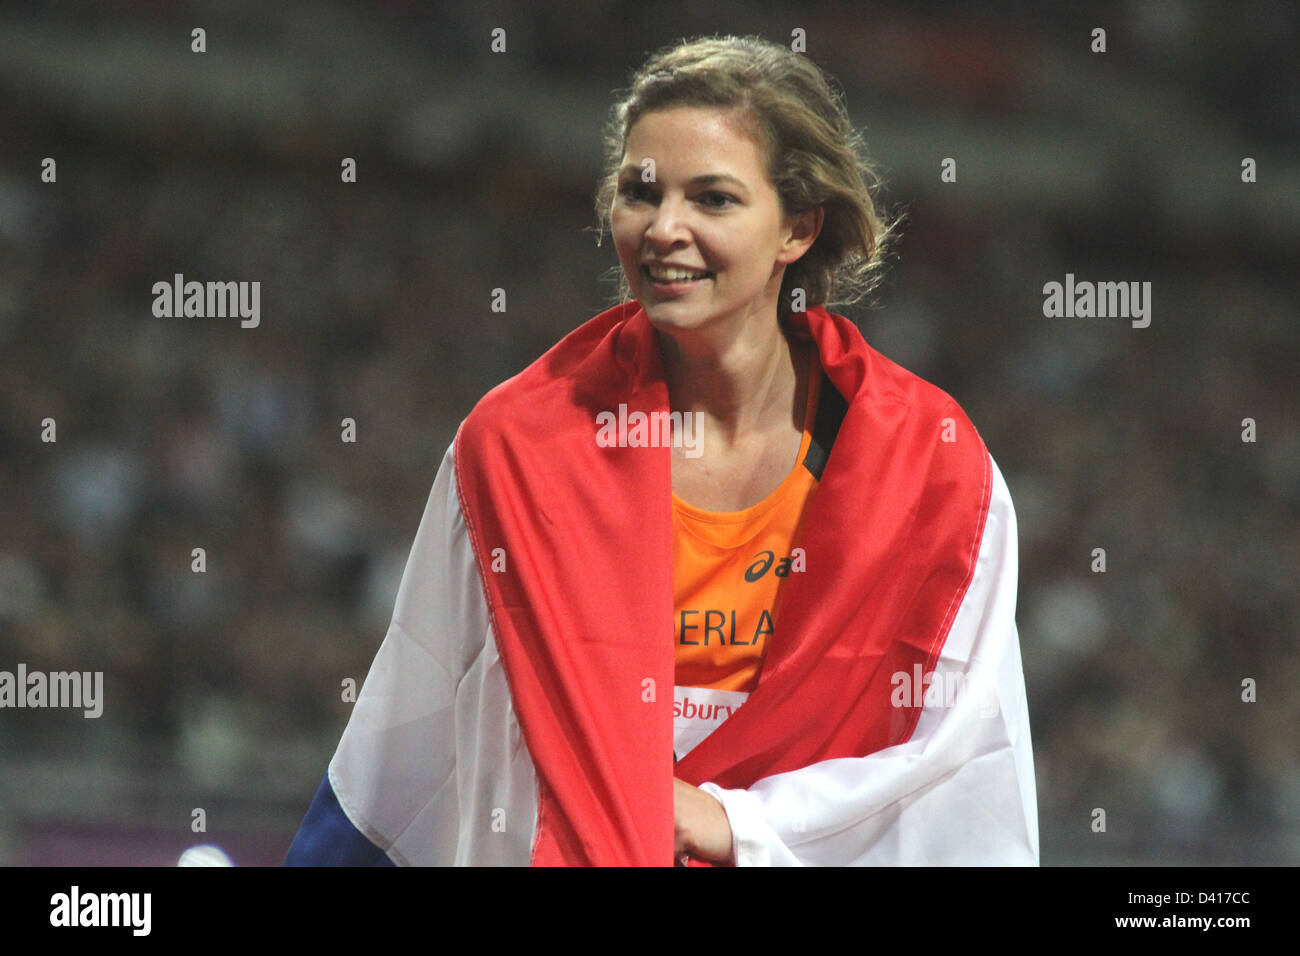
(676, 275)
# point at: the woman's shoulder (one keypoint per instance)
(887, 386)
(584, 371)
(896, 383)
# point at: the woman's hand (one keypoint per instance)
(701, 825)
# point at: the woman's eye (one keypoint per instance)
(636, 191)
(725, 200)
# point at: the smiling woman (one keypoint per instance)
(777, 131)
(561, 582)
(694, 255)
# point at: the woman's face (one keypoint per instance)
(710, 209)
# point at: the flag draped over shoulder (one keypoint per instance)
(573, 545)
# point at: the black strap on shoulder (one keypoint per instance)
(831, 409)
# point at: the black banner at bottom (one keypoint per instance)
(214, 906)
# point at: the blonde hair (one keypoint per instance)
(814, 155)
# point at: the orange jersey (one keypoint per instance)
(727, 573)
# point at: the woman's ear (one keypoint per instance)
(804, 230)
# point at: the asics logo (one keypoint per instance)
(765, 559)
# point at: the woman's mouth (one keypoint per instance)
(674, 280)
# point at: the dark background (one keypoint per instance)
(476, 171)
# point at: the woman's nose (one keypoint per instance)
(668, 223)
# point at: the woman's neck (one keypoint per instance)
(740, 385)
